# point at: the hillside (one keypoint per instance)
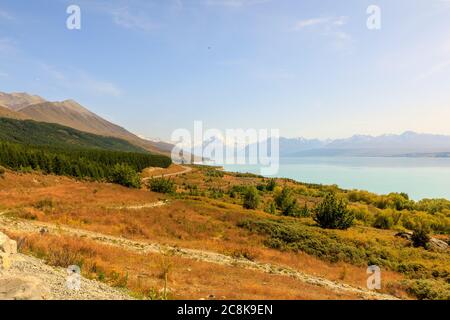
(16, 101)
(54, 135)
(71, 114)
(8, 113)
(211, 247)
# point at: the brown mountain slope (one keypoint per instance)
(8, 113)
(71, 114)
(16, 101)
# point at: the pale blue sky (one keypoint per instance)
(310, 68)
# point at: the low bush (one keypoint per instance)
(162, 185)
(420, 237)
(125, 175)
(332, 213)
(286, 202)
(383, 221)
(251, 198)
(428, 289)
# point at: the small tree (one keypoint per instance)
(286, 202)
(271, 208)
(126, 176)
(162, 185)
(383, 221)
(271, 185)
(304, 212)
(251, 198)
(332, 213)
(421, 237)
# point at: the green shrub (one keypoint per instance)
(251, 198)
(383, 221)
(215, 193)
(261, 187)
(286, 203)
(427, 289)
(2, 172)
(332, 213)
(237, 190)
(362, 214)
(304, 212)
(213, 173)
(271, 185)
(271, 208)
(162, 185)
(420, 236)
(125, 175)
(290, 235)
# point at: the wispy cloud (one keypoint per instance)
(4, 15)
(8, 46)
(330, 27)
(126, 18)
(326, 22)
(434, 70)
(133, 15)
(234, 3)
(79, 79)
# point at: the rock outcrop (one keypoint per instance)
(8, 248)
(434, 244)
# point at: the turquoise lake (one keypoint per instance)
(419, 177)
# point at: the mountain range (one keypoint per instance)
(407, 144)
(71, 114)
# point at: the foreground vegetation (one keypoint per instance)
(304, 216)
(312, 228)
(99, 165)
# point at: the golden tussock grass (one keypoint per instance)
(146, 274)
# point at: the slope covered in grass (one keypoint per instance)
(48, 134)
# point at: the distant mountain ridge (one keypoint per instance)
(407, 144)
(17, 100)
(71, 114)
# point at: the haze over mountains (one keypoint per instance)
(71, 114)
(406, 144)
(23, 106)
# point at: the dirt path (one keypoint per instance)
(199, 255)
(142, 206)
(185, 170)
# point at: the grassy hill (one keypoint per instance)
(47, 134)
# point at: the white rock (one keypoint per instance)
(8, 248)
(23, 288)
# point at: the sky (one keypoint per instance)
(308, 68)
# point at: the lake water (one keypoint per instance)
(419, 177)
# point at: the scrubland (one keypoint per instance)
(204, 210)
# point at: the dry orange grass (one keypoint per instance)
(199, 224)
(187, 279)
(18, 190)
